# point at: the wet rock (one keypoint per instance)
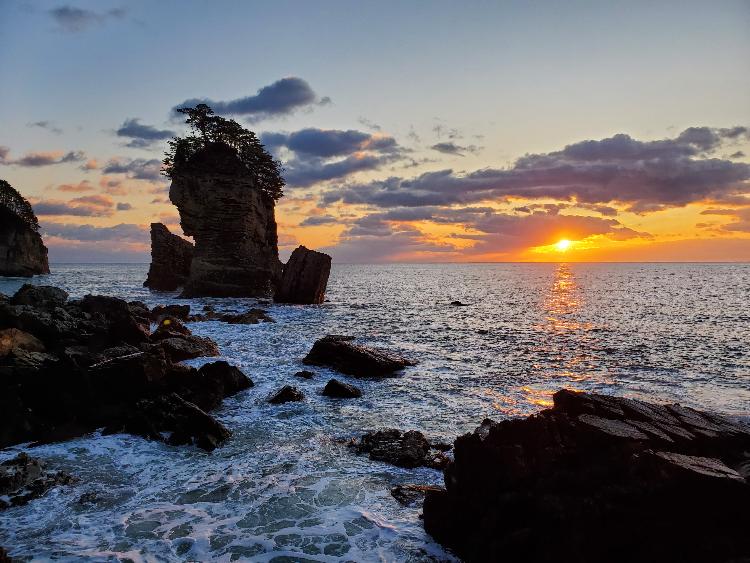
(305, 277)
(181, 312)
(122, 325)
(233, 225)
(210, 384)
(249, 317)
(305, 374)
(169, 327)
(483, 331)
(285, 395)
(597, 478)
(404, 449)
(140, 312)
(340, 353)
(183, 348)
(459, 304)
(22, 252)
(171, 257)
(24, 478)
(12, 339)
(341, 390)
(4, 557)
(409, 495)
(41, 296)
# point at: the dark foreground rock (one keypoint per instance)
(171, 257)
(68, 367)
(340, 353)
(250, 317)
(22, 252)
(404, 449)
(305, 374)
(181, 312)
(24, 478)
(286, 394)
(598, 478)
(305, 277)
(341, 390)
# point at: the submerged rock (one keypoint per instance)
(341, 390)
(597, 478)
(305, 374)
(249, 317)
(232, 222)
(404, 449)
(22, 252)
(340, 353)
(409, 495)
(286, 394)
(305, 277)
(171, 257)
(24, 478)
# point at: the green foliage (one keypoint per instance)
(207, 128)
(15, 202)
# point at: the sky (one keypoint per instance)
(409, 131)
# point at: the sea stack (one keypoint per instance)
(232, 222)
(305, 277)
(171, 257)
(22, 252)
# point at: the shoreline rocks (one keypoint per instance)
(408, 449)
(171, 257)
(340, 390)
(304, 278)
(287, 394)
(23, 479)
(597, 478)
(341, 354)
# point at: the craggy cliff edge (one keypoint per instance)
(22, 252)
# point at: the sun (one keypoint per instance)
(562, 245)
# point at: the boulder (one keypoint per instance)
(181, 312)
(305, 374)
(180, 348)
(404, 449)
(341, 390)
(207, 386)
(12, 340)
(42, 296)
(232, 222)
(286, 394)
(24, 478)
(22, 252)
(171, 257)
(597, 478)
(305, 277)
(340, 353)
(249, 317)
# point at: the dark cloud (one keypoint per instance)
(137, 169)
(738, 154)
(304, 173)
(283, 97)
(90, 233)
(327, 143)
(74, 20)
(450, 147)
(317, 220)
(647, 175)
(87, 206)
(368, 123)
(37, 159)
(140, 135)
(48, 125)
(124, 207)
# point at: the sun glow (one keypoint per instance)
(562, 245)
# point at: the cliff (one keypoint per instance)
(171, 257)
(22, 252)
(305, 277)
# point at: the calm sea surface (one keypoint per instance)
(283, 489)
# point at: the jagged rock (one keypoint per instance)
(409, 495)
(285, 395)
(597, 478)
(404, 449)
(340, 353)
(210, 384)
(305, 374)
(22, 252)
(181, 312)
(459, 304)
(170, 327)
(341, 390)
(24, 478)
(12, 340)
(232, 222)
(43, 296)
(171, 257)
(305, 277)
(249, 317)
(123, 325)
(188, 347)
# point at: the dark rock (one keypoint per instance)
(305, 277)
(181, 312)
(24, 478)
(210, 384)
(597, 478)
(12, 340)
(22, 252)
(171, 257)
(483, 331)
(170, 327)
(249, 317)
(459, 304)
(183, 348)
(305, 374)
(123, 326)
(285, 395)
(42, 296)
(409, 495)
(340, 353)
(4, 557)
(140, 312)
(233, 225)
(341, 390)
(404, 449)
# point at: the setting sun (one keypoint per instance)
(562, 245)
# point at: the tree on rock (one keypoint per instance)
(11, 199)
(208, 128)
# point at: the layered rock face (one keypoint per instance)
(171, 257)
(232, 223)
(22, 252)
(305, 277)
(598, 478)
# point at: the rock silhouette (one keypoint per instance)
(340, 353)
(232, 222)
(597, 478)
(22, 252)
(171, 257)
(305, 277)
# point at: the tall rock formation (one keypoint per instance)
(305, 277)
(232, 223)
(171, 257)
(22, 252)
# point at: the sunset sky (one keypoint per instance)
(409, 131)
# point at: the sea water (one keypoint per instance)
(285, 488)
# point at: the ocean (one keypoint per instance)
(284, 488)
